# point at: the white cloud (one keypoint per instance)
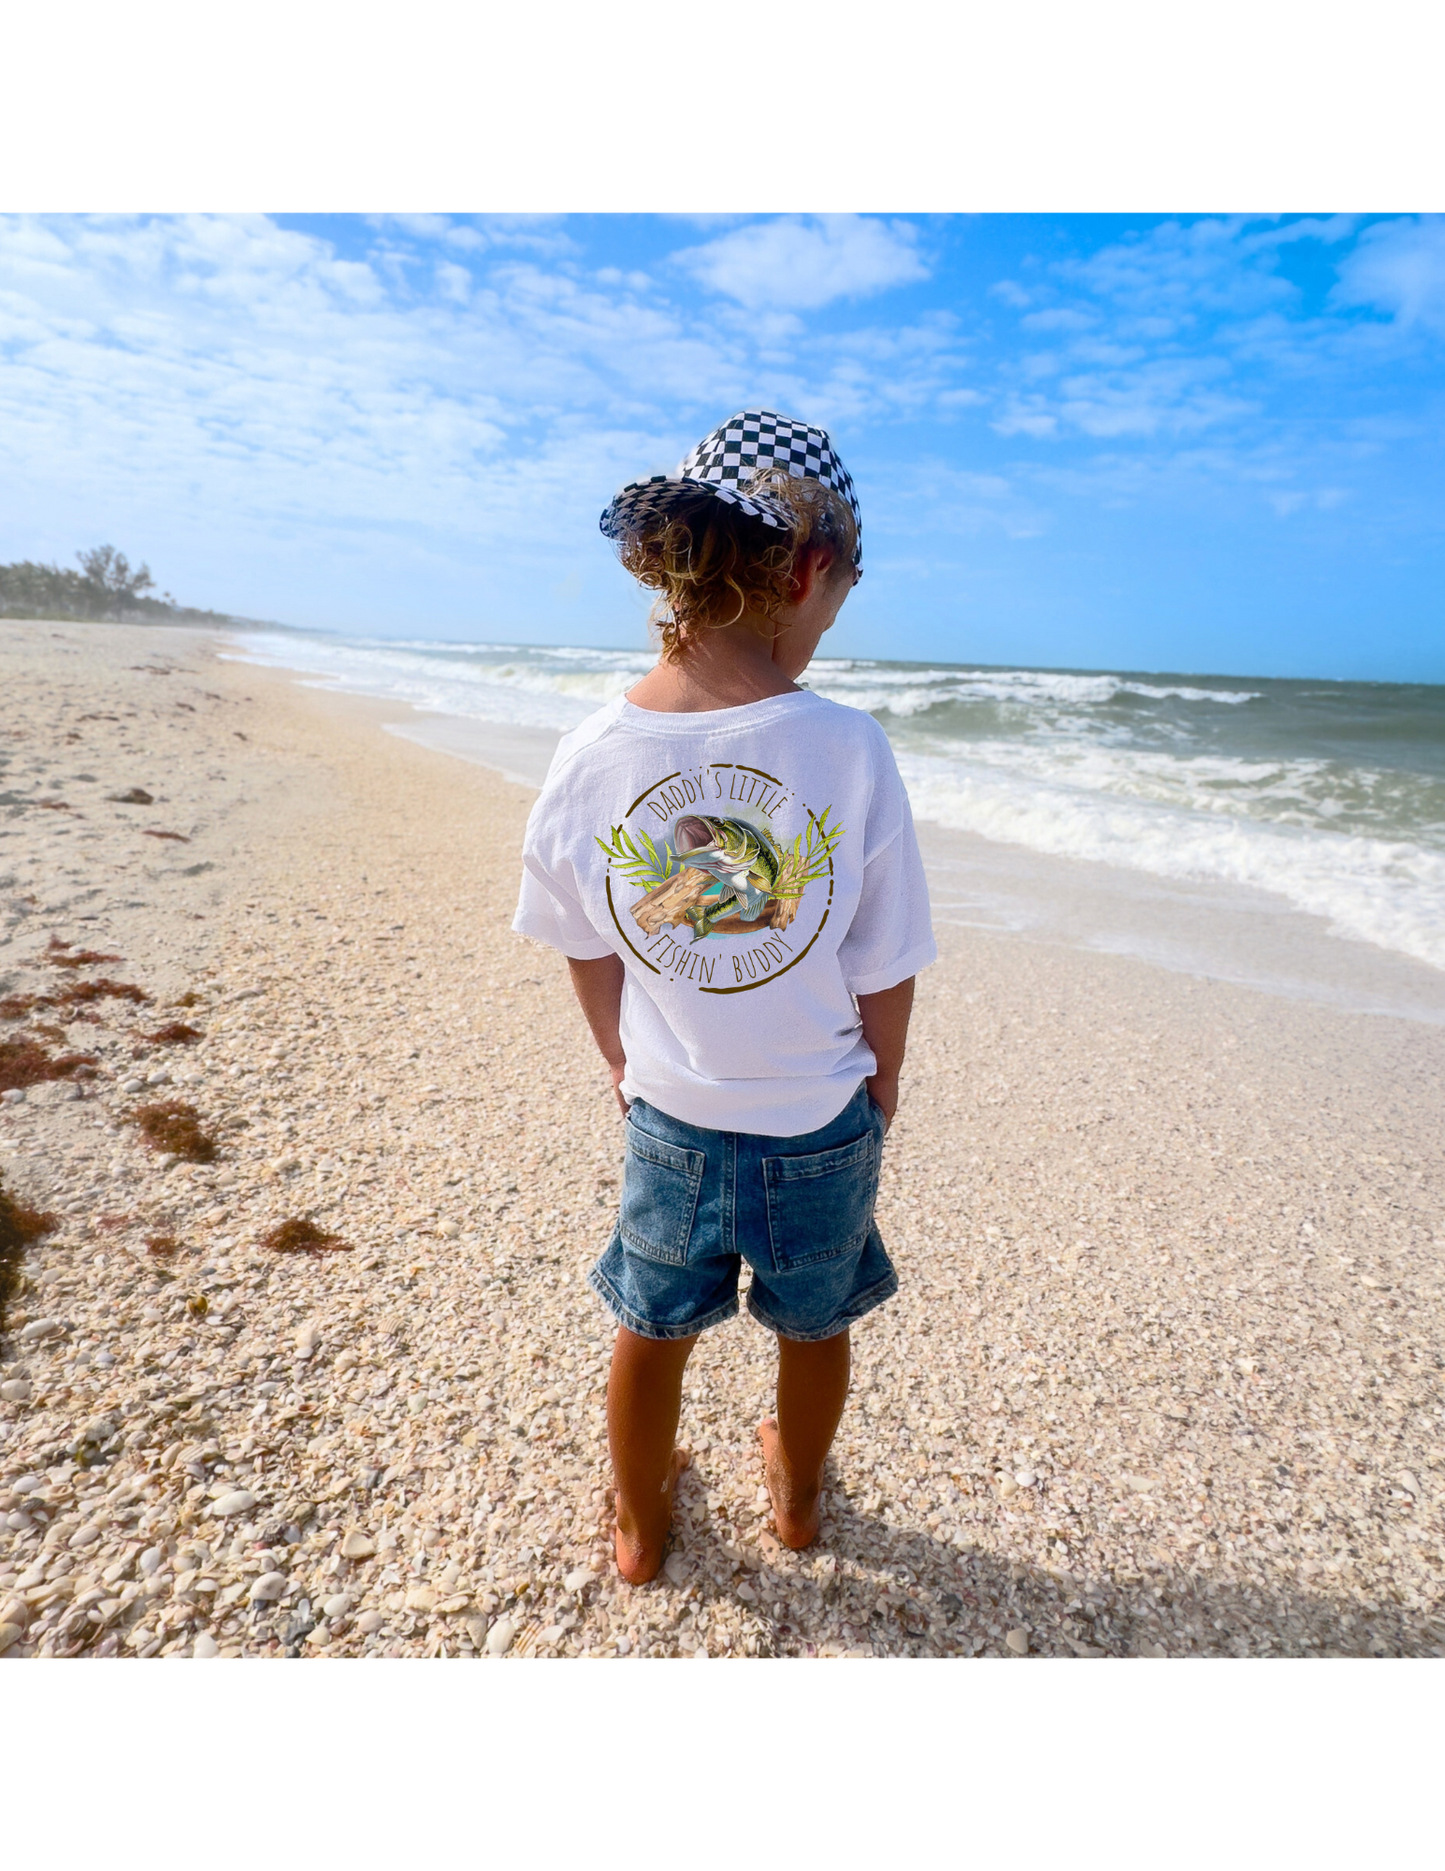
(615, 276)
(1279, 470)
(1157, 398)
(1168, 397)
(1062, 318)
(1398, 267)
(222, 394)
(1330, 229)
(802, 264)
(932, 497)
(1026, 415)
(419, 226)
(1289, 501)
(1186, 327)
(231, 394)
(1178, 271)
(521, 219)
(542, 234)
(706, 219)
(231, 386)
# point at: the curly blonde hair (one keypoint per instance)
(713, 565)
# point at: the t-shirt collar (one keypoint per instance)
(711, 720)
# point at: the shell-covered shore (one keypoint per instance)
(1164, 1377)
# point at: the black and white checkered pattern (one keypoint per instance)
(725, 462)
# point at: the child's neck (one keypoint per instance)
(721, 669)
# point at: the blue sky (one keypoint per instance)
(1195, 444)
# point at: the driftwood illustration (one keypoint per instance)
(668, 904)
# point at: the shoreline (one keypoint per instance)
(1230, 933)
(1160, 1379)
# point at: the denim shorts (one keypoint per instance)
(799, 1210)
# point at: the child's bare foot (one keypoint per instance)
(640, 1549)
(795, 1510)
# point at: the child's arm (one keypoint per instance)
(598, 987)
(885, 1027)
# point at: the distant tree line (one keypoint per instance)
(105, 588)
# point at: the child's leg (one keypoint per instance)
(812, 1389)
(644, 1400)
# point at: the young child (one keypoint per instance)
(729, 865)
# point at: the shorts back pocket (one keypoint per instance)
(820, 1206)
(660, 1185)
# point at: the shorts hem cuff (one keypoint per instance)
(855, 1309)
(645, 1328)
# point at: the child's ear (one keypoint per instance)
(814, 565)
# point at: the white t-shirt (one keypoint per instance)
(755, 868)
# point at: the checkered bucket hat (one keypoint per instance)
(724, 464)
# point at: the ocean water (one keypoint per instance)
(1331, 795)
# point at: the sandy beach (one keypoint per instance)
(1163, 1378)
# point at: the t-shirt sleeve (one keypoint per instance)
(891, 935)
(549, 908)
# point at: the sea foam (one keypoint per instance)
(1331, 795)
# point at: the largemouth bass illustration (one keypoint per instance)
(742, 858)
(721, 876)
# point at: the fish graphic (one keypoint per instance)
(742, 857)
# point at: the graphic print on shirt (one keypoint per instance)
(721, 853)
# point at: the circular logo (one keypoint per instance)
(720, 876)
